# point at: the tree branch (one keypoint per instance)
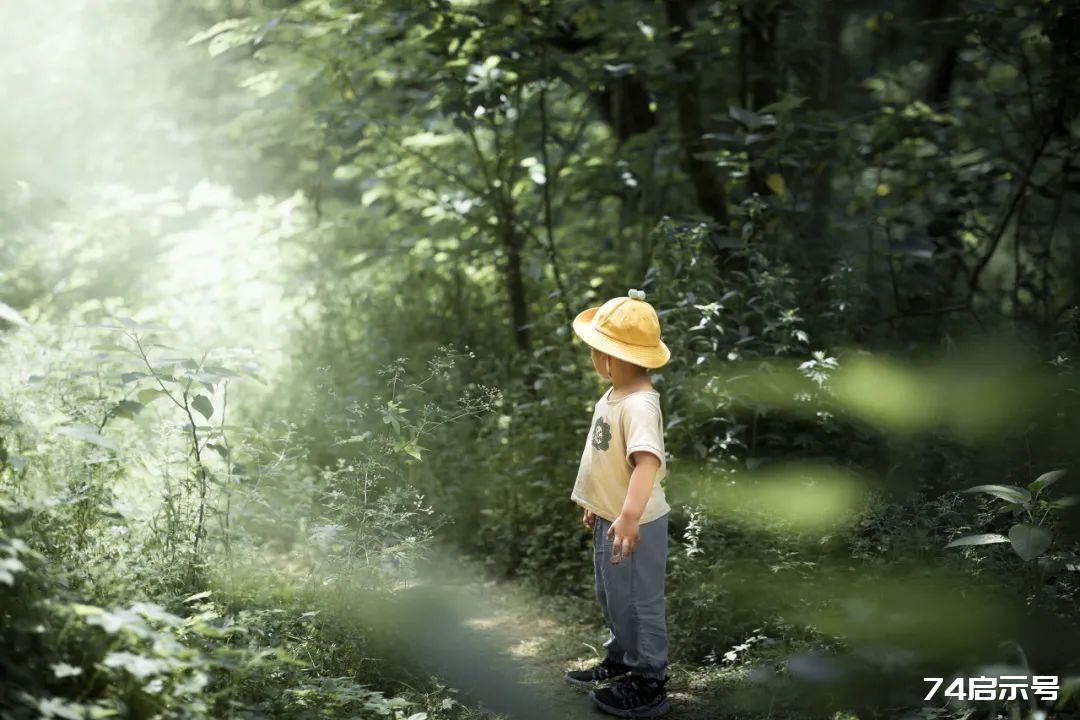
(1003, 222)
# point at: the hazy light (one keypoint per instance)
(970, 398)
(119, 174)
(977, 393)
(791, 497)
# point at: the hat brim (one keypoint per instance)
(645, 356)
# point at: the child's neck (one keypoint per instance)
(626, 383)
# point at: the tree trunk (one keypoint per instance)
(710, 191)
(760, 21)
(624, 104)
(828, 96)
(515, 288)
(944, 54)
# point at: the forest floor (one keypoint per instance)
(544, 635)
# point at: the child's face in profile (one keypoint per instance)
(600, 362)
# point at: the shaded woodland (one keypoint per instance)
(288, 389)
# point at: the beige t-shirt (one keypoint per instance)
(621, 427)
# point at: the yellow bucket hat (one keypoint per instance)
(624, 327)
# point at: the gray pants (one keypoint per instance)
(631, 594)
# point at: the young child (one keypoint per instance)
(618, 485)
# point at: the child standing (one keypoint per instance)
(618, 485)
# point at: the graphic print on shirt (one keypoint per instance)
(601, 437)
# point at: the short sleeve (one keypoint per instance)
(643, 431)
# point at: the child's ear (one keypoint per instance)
(600, 363)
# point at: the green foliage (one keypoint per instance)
(362, 230)
(1029, 539)
(73, 555)
(143, 660)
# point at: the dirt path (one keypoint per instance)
(544, 636)
(542, 643)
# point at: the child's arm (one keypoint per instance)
(625, 528)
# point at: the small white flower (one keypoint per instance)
(637, 294)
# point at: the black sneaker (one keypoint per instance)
(607, 670)
(634, 697)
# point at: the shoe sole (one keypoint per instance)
(651, 712)
(591, 683)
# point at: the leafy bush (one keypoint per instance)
(106, 609)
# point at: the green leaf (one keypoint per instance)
(87, 433)
(749, 118)
(149, 395)
(63, 670)
(620, 70)
(56, 707)
(140, 666)
(1067, 501)
(220, 370)
(784, 104)
(392, 415)
(110, 347)
(217, 29)
(426, 140)
(1029, 541)
(979, 539)
(127, 409)
(347, 172)
(1011, 493)
(12, 315)
(775, 181)
(207, 378)
(1046, 480)
(12, 565)
(203, 405)
(85, 610)
(413, 450)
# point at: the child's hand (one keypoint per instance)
(588, 518)
(626, 537)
